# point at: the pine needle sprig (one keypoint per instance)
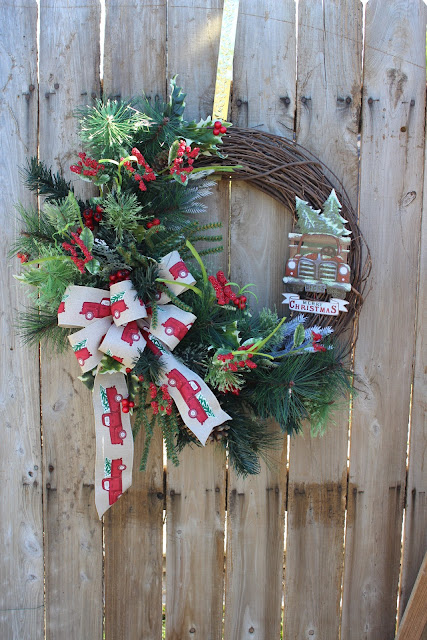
(106, 128)
(36, 326)
(37, 177)
(122, 213)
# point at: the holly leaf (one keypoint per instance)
(93, 266)
(86, 237)
(299, 335)
(173, 151)
(102, 179)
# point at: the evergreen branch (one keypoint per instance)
(37, 177)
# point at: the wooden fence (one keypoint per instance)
(336, 528)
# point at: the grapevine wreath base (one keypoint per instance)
(119, 277)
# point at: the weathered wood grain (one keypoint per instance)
(390, 213)
(135, 48)
(264, 76)
(196, 489)
(264, 80)
(328, 75)
(21, 527)
(415, 535)
(135, 61)
(256, 505)
(69, 75)
(414, 620)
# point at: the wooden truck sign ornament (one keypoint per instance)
(318, 259)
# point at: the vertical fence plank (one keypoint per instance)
(329, 72)
(264, 67)
(196, 489)
(21, 530)
(390, 211)
(264, 76)
(415, 540)
(134, 526)
(69, 75)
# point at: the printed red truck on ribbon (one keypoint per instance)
(96, 309)
(113, 419)
(188, 390)
(174, 327)
(113, 483)
(131, 333)
(118, 307)
(179, 270)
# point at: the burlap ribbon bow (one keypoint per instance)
(116, 323)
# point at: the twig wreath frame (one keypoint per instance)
(283, 169)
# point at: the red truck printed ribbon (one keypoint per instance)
(116, 323)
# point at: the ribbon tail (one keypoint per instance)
(114, 441)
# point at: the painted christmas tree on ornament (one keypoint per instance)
(318, 258)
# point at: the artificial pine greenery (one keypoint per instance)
(143, 161)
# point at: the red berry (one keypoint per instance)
(125, 409)
(243, 299)
(156, 221)
(217, 124)
(131, 404)
(87, 213)
(128, 369)
(99, 209)
(223, 129)
(97, 217)
(149, 225)
(216, 132)
(141, 378)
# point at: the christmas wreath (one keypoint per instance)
(119, 277)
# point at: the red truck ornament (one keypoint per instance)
(174, 327)
(188, 390)
(318, 264)
(96, 309)
(113, 484)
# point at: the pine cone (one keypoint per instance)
(218, 433)
(160, 162)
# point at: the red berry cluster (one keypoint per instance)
(127, 404)
(219, 128)
(148, 174)
(153, 223)
(163, 405)
(316, 340)
(92, 166)
(79, 262)
(119, 276)
(184, 153)
(22, 256)
(235, 361)
(90, 217)
(224, 292)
